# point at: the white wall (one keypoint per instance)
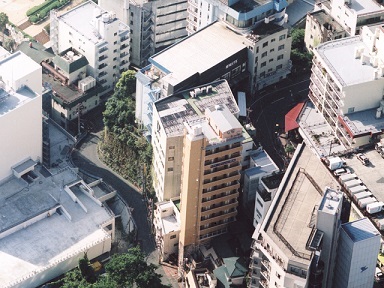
(21, 135)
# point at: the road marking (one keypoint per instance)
(277, 100)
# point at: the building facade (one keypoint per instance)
(20, 111)
(239, 15)
(104, 41)
(154, 25)
(338, 94)
(260, 58)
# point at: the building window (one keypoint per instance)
(351, 109)
(282, 37)
(259, 202)
(114, 43)
(281, 56)
(256, 59)
(176, 244)
(262, 74)
(172, 237)
(270, 51)
(264, 55)
(279, 67)
(281, 47)
(170, 169)
(263, 64)
(131, 14)
(171, 158)
(265, 44)
(257, 49)
(270, 60)
(171, 147)
(115, 34)
(131, 22)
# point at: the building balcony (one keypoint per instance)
(219, 217)
(124, 39)
(216, 181)
(213, 228)
(103, 49)
(219, 198)
(215, 190)
(124, 46)
(192, 11)
(193, 3)
(266, 264)
(264, 283)
(217, 210)
(217, 172)
(265, 274)
(217, 153)
(103, 58)
(102, 66)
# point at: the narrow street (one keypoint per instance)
(268, 112)
(87, 159)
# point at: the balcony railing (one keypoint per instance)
(266, 264)
(265, 274)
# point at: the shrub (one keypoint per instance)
(34, 18)
(35, 9)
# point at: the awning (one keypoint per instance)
(291, 116)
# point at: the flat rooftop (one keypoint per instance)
(292, 213)
(327, 21)
(264, 30)
(17, 66)
(182, 107)
(360, 230)
(10, 100)
(363, 122)
(339, 57)
(264, 165)
(81, 19)
(365, 6)
(199, 52)
(53, 238)
(68, 95)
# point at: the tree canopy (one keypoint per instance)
(301, 59)
(123, 270)
(3, 20)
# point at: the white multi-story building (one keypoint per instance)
(336, 19)
(240, 15)
(154, 25)
(302, 242)
(351, 102)
(103, 40)
(352, 15)
(167, 227)
(261, 57)
(20, 111)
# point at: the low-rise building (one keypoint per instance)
(53, 220)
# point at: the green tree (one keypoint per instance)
(301, 59)
(131, 268)
(3, 22)
(126, 85)
(10, 45)
(74, 279)
(86, 269)
(289, 149)
(298, 39)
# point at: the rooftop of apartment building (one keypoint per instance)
(271, 182)
(327, 21)
(263, 164)
(360, 230)
(339, 56)
(198, 53)
(190, 105)
(288, 220)
(81, 19)
(42, 225)
(264, 30)
(68, 95)
(243, 6)
(10, 100)
(362, 7)
(36, 51)
(169, 222)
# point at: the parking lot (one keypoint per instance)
(372, 175)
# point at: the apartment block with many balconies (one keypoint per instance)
(154, 25)
(104, 40)
(347, 86)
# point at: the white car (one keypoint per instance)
(363, 159)
(342, 171)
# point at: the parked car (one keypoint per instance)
(362, 158)
(342, 171)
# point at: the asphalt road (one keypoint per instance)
(87, 159)
(268, 112)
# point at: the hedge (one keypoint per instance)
(34, 9)
(43, 12)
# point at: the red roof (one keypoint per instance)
(291, 116)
